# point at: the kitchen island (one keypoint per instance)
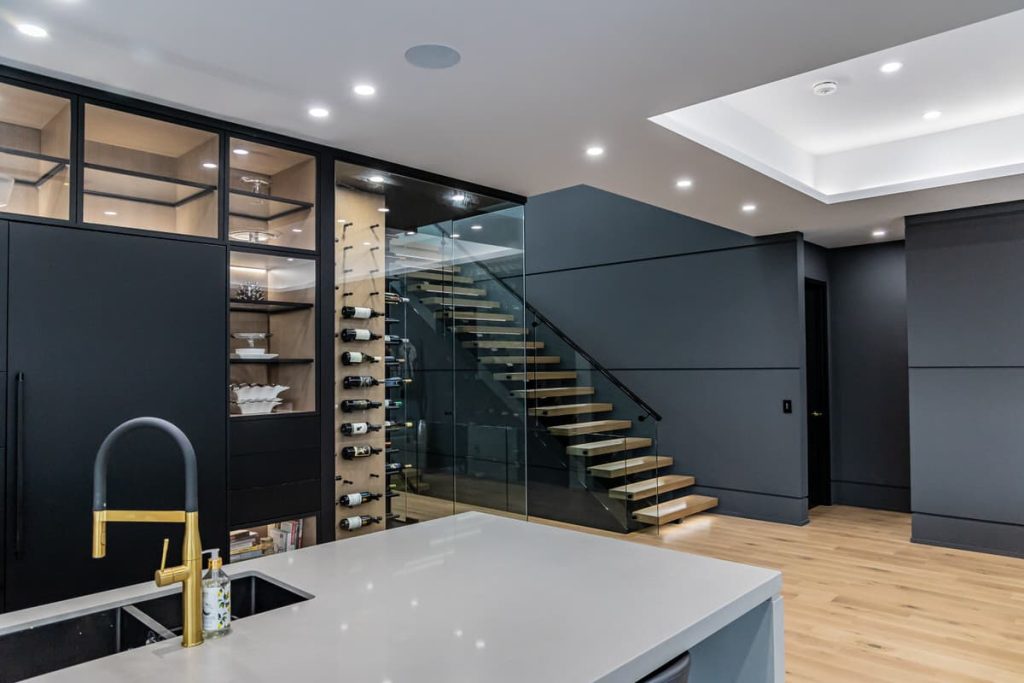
(473, 598)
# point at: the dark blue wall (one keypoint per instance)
(703, 323)
(965, 286)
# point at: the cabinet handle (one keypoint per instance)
(19, 461)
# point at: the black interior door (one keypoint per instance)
(102, 328)
(819, 467)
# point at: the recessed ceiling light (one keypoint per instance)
(455, 235)
(383, 209)
(595, 151)
(240, 151)
(209, 164)
(749, 208)
(459, 197)
(410, 232)
(879, 233)
(32, 30)
(364, 89)
(366, 244)
(890, 67)
(684, 183)
(932, 115)
(296, 229)
(825, 88)
(432, 56)
(319, 112)
(476, 227)
(376, 179)
(110, 213)
(290, 259)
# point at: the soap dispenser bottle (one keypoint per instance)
(216, 598)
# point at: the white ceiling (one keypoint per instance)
(538, 81)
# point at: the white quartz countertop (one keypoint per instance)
(472, 597)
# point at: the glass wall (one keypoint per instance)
(456, 430)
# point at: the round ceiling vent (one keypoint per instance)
(823, 88)
(432, 56)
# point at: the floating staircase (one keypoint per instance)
(603, 457)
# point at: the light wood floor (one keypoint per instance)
(862, 603)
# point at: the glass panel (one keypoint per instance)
(272, 195)
(145, 173)
(269, 539)
(35, 148)
(273, 334)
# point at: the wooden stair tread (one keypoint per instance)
(488, 329)
(620, 468)
(651, 487)
(594, 427)
(527, 359)
(553, 392)
(430, 288)
(501, 344)
(572, 409)
(623, 443)
(475, 315)
(671, 510)
(439, 277)
(535, 375)
(459, 303)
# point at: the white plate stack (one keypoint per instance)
(257, 399)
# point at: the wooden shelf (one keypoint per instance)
(595, 427)
(619, 445)
(553, 392)
(146, 188)
(475, 315)
(671, 510)
(459, 303)
(498, 344)
(572, 409)
(240, 306)
(440, 277)
(534, 376)
(438, 289)
(651, 487)
(30, 168)
(478, 329)
(272, 361)
(524, 359)
(622, 468)
(263, 207)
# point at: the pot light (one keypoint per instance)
(376, 179)
(595, 151)
(825, 88)
(383, 209)
(684, 183)
(110, 213)
(890, 67)
(240, 151)
(476, 227)
(932, 115)
(296, 229)
(459, 197)
(879, 233)
(364, 89)
(410, 232)
(366, 244)
(749, 208)
(319, 112)
(32, 30)
(455, 235)
(209, 164)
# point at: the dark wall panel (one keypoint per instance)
(4, 231)
(869, 393)
(723, 309)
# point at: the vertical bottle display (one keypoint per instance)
(360, 326)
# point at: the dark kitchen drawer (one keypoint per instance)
(272, 468)
(274, 502)
(274, 433)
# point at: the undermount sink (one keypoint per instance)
(57, 643)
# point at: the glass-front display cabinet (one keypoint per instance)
(272, 196)
(273, 334)
(35, 153)
(142, 172)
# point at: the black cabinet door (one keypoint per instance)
(102, 328)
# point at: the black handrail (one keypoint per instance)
(576, 347)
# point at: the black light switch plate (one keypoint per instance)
(787, 406)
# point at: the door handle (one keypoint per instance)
(19, 462)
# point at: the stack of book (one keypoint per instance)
(245, 545)
(286, 535)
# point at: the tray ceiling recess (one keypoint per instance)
(938, 111)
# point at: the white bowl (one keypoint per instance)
(257, 407)
(246, 352)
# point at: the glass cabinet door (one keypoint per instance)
(146, 173)
(35, 149)
(272, 196)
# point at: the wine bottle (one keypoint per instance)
(394, 339)
(388, 424)
(350, 500)
(355, 358)
(391, 360)
(351, 405)
(357, 522)
(392, 404)
(359, 312)
(351, 452)
(393, 467)
(396, 381)
(358, 381)
(392, 298)
(357, 428)
(351, 334)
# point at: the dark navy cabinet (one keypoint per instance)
(103, 327)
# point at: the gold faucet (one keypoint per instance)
(189, 572)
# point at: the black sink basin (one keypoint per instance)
(52, 645)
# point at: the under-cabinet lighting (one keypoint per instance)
(878, 233)
(249, 269)
(32, 30)
(383, 209)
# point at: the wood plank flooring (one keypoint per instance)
(862, 603)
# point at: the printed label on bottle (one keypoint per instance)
(217, 607)
(359, 428)
(354, 523)
(362, 335)
(355, 499)
(360, 312)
